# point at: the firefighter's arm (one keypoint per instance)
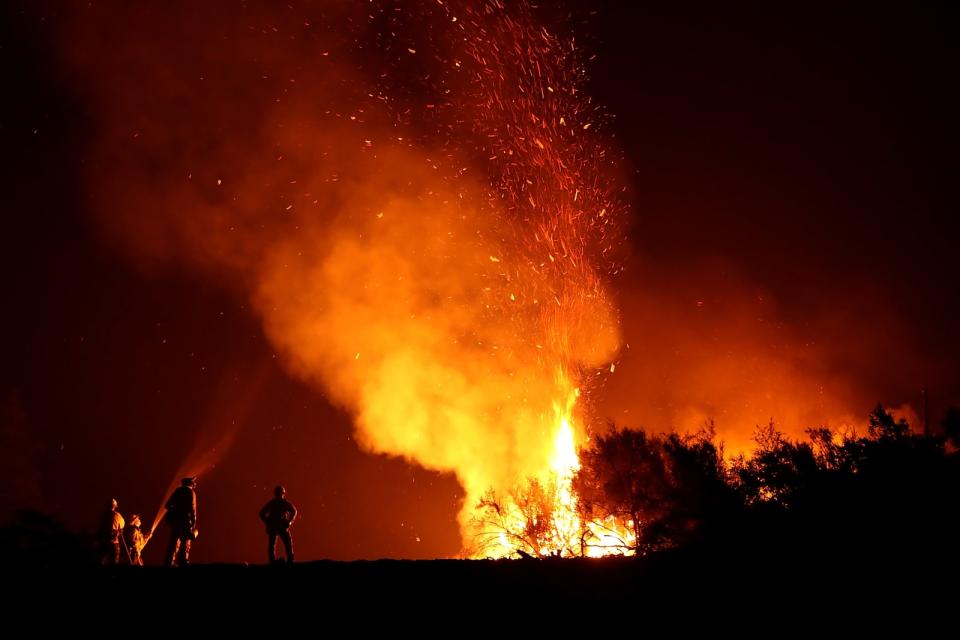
(293, 513)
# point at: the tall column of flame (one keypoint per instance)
(554, 182)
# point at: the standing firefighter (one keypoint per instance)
(278, 515)
(181, 517)
(137, 541)
(111, 532)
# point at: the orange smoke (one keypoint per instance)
(704, 342)
(444, 279)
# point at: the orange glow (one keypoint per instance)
(563, 534)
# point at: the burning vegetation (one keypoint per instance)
(633, 493)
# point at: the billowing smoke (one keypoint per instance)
(706, 343)
(416, 200)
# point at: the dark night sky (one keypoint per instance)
(792, 181)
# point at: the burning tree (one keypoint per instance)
(531, 519)
(622, 479)
(640, 491)
(627, 492)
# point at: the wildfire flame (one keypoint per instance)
(564, 533)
